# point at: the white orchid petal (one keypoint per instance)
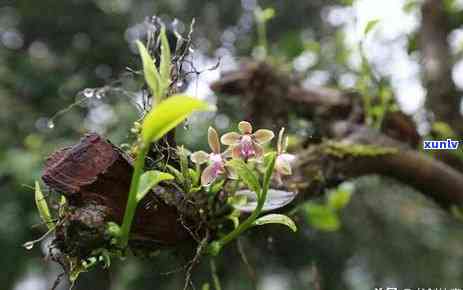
(263, 135)
(230, 138)
(209, 175)
(245, 127)
(213, 140)
(199, 157)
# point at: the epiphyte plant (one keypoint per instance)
(241, 175)
(165, 116)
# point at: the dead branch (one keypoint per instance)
(95, 177)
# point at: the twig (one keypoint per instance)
(199, 251)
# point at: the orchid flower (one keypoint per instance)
(283, 160)
(216, 161)
(247, 144)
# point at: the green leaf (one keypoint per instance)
(194, 176)
(166, 115)
(234, 219)
(321, 217)
(76, 267)
(275, 199)
(410, 5)
(42, 207)
(443, 130)
(214, 248)
(370, 25)
(178, 175)
(339, 198)
(165, 64)
(268, 13)
(105, 257)
(150, 72)
(113, 229)
(276, 219)
(62, 206)
(187, 180)
(457, 212)
(264, 15)
(246, 174)
(238, 200)
(270, 165)
(216, 186)
(347, 2)
(150, 179)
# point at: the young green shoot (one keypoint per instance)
(161, 119)
(164, 116)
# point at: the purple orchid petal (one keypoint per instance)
(215, 158)
(215, 168)
(247, 147)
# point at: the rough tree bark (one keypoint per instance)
(443, 99)
(337, 162)
(95, 176)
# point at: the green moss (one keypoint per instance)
(342, 149)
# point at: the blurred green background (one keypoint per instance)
(52, 50)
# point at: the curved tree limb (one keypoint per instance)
(386, 157)
(339, 112)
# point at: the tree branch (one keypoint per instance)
(388, 157)
(340, 116)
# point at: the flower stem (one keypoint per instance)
(132, 198)
(246, 224)
(214, 247)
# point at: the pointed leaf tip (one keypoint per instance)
(370, 25)
(150, 179)
(168, 114)
(150, 72)
(165, 63)
(42, 206)
(276, 219)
